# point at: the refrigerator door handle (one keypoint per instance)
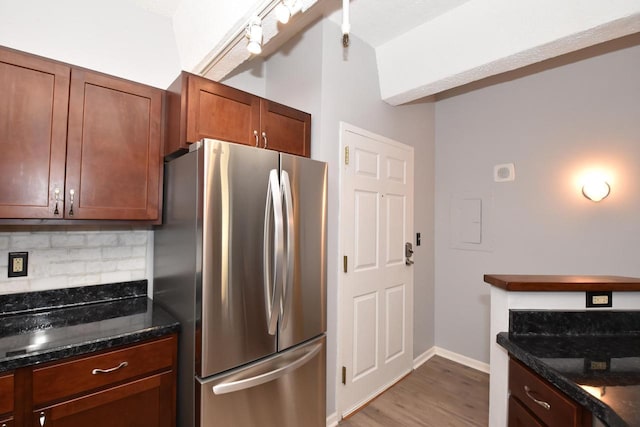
(273, 274)
(250, 382)
(288, 274)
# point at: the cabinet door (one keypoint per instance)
(34, 96)
(221, 112)
(147, 402)
(285, 129)
(113, 149)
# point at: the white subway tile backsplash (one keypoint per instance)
(85, 254)
(84, 280)
(135, 238)
(59, 259)
(101, 266)
(30, 241)
(132, 264)
(66, 268)
(68, 240)
(102, 239)
(118, 252)
(116, 276)
(46, 283)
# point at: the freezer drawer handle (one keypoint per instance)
(246, 383)
(106, 371)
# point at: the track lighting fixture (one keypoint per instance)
(346, 26)
(286, 9)
(254, 34)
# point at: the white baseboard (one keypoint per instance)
(463, 360)
(447, 354)
(420, 360)
(332, 420)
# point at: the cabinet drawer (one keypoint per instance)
(6, 394)
(519, 416)
(64, 379)
(526, 386)
(6, 423)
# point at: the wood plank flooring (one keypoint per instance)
(439, 393)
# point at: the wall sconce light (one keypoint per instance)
(254, 34)
(286, 9)
(595, 188)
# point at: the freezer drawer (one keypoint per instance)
(286, 390)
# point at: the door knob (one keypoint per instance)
(408, 253)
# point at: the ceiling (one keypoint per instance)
(423, 47)
(374, 21)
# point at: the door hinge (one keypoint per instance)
(346, 155)
(344, 263)
(344, 375)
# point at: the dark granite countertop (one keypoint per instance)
(593, 357)
(39, 327)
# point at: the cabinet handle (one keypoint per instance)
(264, 136)
(42, 419)
(255, 133)
(106, 371)
(56, 192)
(542, 403)
(72, 192)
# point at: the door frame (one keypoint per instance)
(345, 127)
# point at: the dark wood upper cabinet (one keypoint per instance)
(199, 108)
(33, 134)
(113, 149)
(66, 130)
(221, 112)
(285, 129)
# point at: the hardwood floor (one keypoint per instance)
(439, 393)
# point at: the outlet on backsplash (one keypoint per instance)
(18, 263)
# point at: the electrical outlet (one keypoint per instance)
(599, 299)
(18, 263)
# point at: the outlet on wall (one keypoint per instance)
(18, 263)
(599, 299)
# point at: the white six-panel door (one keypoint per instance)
(375, 295)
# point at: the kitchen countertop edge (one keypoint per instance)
(164, 325)
(567, 386)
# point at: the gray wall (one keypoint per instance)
(553, 124)
(310, 73)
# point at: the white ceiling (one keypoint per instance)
(423, 47)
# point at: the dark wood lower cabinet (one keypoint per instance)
(534, 402)
(142, 403)
(128, 386)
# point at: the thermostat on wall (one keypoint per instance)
(504, 172)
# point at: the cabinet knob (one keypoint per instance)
(42, 419)
(72, 192)
(264, 136)
(255, 133)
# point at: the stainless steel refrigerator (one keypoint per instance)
(240, 260)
